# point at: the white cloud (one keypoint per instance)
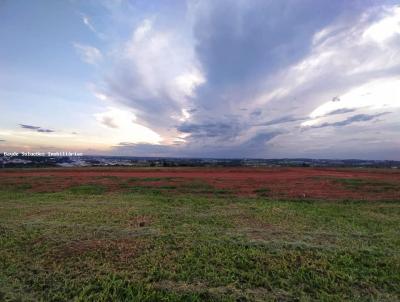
(341, 63)
(156, 70)
(386, 27)
(163, 62)
(220, 84)
(186, 83)
(88, 54)
(89, 24)
(142, 30)
(349, 60)
(86, 20)
(100, 96)
(377, 94)
(121, 126)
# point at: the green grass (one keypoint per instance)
(147, 244)
(20, 187)
(170, 186)
(88, 189)
(367, 185)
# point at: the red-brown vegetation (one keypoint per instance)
(310, 183)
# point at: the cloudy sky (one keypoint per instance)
(199, 78)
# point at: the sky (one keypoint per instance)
(201, 78)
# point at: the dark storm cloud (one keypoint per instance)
(123, 144)
(351, 120)
(264, 67)
(250, 147)
(290, 118)
(256, 113)
(341, 111)
(45, 130)
(238, 42)
(259, 140)
(282, 120)
(225, 130)
(239, 45)
(29, 127)
(36, 128)
(108, 121)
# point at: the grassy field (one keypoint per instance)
(86, 243)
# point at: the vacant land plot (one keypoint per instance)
(199, 235)
(326, 184)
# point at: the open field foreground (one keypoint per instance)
(186, 234)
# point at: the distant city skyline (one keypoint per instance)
(224, 79)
